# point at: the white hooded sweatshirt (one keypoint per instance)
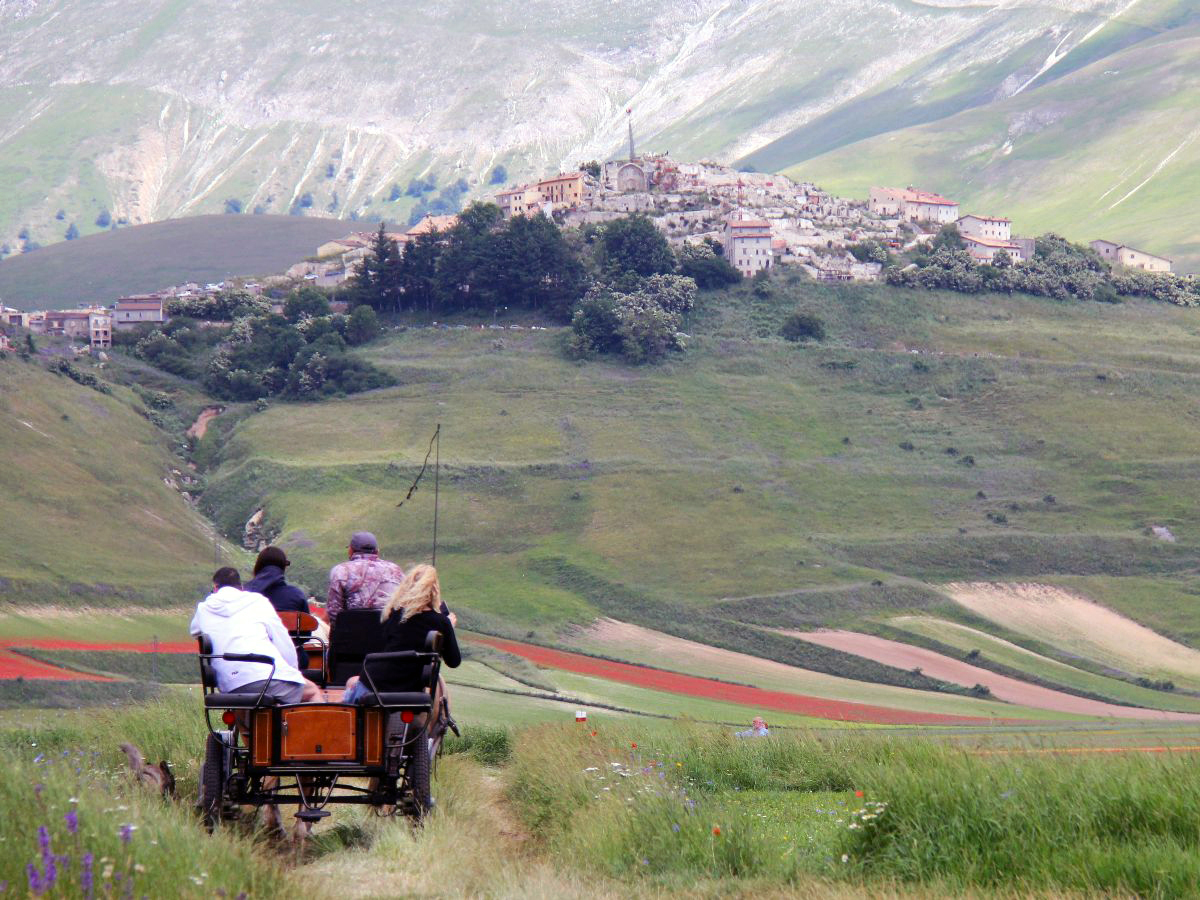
(240, 621)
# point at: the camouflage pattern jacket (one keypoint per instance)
(362, 582)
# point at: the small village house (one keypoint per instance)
(74, 324)
(5, 344)
(1124, 255)
(984, 249)
(100, 324)
(563, 191)
(524, 200)
(911, 205)
(747, 244)
(12, 317)
(432, 223)
(985, 227)
(130, 312)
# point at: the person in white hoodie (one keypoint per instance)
(238, 621)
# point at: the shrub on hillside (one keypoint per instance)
(802, 327)
(642, 326)
(362, 326)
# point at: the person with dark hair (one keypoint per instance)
(270, 582)
(241, 621)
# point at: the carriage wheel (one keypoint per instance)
(418, 777)
(212, 782)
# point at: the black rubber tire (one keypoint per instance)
(212, 782)
(418, 776)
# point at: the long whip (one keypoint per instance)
(435, 450)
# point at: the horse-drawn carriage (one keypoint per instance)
(378, 752)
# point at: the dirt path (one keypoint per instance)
(946, 668)
(749, 697)
(200, 426)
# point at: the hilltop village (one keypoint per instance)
(758, 221)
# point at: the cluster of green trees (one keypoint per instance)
(298, 355)
(1058, 269)
(619, 283)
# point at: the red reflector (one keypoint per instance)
(406, 716)
(228, 717)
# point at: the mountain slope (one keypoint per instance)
(86, 517)
(102, 267)
(1109, 150)
(162, 109)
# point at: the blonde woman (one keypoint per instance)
(414, 610)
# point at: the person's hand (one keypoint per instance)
(453, 619)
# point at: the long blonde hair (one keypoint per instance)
(418, 592)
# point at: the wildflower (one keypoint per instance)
(675, 827)
(35, 879)
(85, 876)
(37, 759)
(845, 857)
(634, 745)
(44, 843)
(858, 793)
(717, 830)
(593, 734)
(139, 868)
(37, 790)
(72, 820)
(126, 833)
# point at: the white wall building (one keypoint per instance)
(748, 245)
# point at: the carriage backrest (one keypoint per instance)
(298, 624)
(356, 632)
(208, 675)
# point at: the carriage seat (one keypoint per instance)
(239, 700)
(402, 698)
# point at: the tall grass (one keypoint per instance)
(74, 823)
(687, 802)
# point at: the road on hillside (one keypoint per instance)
(955, 671)
(752, 698)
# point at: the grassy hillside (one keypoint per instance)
(1104, 151)
(102, 267)
(933, 436)
(86, 516)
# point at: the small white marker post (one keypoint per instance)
(581, 715)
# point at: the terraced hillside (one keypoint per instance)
(933, 438)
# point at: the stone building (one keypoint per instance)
(747, 244)
(1124, 255)
(985, 227)
(130, 312)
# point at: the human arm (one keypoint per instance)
(334, 601)
(451, 655)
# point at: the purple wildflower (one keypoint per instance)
(72, 819)
(241, 896)
(85, 876)
(126, 834)
(37, 790)
(35, 879)
(51, 874)
(37, 759)
(44, 843)
(675, 827)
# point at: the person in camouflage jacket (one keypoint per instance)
(364, 581)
